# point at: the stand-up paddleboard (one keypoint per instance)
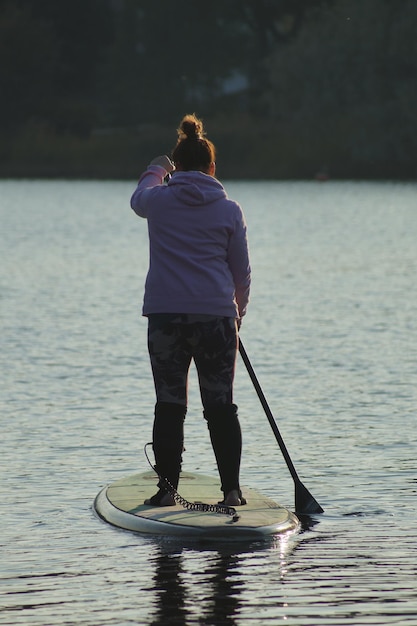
(121, 504)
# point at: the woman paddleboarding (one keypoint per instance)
(196, 294)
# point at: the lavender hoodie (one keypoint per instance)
(199, 260)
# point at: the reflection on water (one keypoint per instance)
(332, 335)
(214, 594)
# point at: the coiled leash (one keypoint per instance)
(192, 506)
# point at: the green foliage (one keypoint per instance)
(114, 154)
(49, 55)
(345, 89)
(97, 87)
(26, 52)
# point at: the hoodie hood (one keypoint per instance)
(199, 261)
(195, 188)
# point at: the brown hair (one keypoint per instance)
(193, 151)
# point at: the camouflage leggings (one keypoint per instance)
(174, 340)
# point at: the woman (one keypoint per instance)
(196, 293)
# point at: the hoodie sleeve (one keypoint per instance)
(239, 263)
(153, 176)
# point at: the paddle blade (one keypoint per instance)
(305, 504)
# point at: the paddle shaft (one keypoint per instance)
(305, 503)
(267, 410)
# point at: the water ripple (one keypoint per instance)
(332, 335)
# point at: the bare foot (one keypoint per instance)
(232, 498)
(160, 500)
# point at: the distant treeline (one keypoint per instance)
(286, 88)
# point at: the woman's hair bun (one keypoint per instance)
(193, 150)
(190, 128)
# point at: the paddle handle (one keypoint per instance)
(268, 413)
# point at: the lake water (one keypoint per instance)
(332, 335)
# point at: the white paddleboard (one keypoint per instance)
(121, 504)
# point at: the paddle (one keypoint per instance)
(305, 504)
